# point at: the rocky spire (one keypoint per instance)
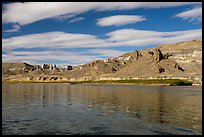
(157, 55)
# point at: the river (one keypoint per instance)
(86, 109)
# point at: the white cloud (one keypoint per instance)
(67, 57)
(191, 15)
(105, 52)
(122, 37)
(76, 19)
(29, 12)
(119, 20)
(64, 17)
(132, 37)
(53, 40)
(15, 28)
(62, 46)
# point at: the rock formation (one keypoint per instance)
(160, 69)
(49, 66)
(178, 67)
(156, 55)
(138, 54)
(69, 67)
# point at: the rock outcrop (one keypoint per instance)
(178, 67)
(49, 66)
(156, 55)
(69, 67)
(160, 69)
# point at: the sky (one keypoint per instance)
(73, 33)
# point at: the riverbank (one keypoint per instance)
(170, 82)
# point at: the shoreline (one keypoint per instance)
(156, 82)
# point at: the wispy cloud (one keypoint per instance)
(193, 15)
(119, 20)
(76, 19)
(64, 57)
(29, 12)
(64, 17)
(105, 52)
(15, 28)
(53, 40)
(61, 47)
(133, 37)
(122, 37)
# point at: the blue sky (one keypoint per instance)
(77, 33)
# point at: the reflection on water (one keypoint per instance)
(100, 109)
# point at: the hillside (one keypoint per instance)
(183, 60)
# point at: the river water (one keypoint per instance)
(80, 109)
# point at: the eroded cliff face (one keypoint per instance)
(179, 60)
(189, 56)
